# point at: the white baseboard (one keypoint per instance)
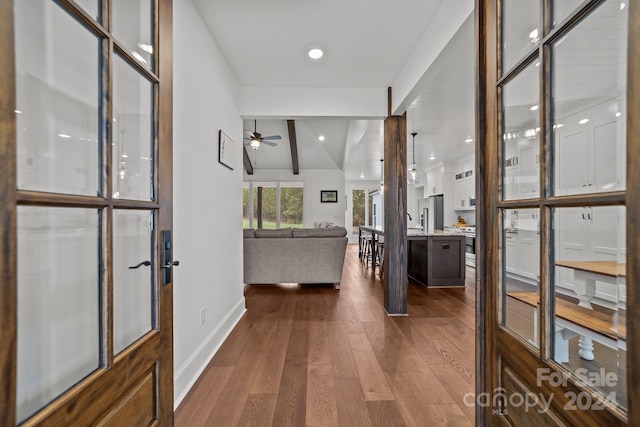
(186, 376)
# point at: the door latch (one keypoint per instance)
(167, 254)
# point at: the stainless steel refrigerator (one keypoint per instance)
(433, 214)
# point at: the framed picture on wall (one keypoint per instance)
(328, 196)
(226, 149)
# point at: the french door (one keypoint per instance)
(86, 207)
(558, 101)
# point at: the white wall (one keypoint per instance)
(207, 199)
(314, 180)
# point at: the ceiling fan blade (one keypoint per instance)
(272, 137)
(269, 143)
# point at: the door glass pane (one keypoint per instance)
(589, 93)
(92, 7)
(562, 9)
(58, 302)
(133, 27)
(57, 90)
(291, 198)
(521, 272)
(132, 134)
(590, 297)
(521, 30)
(520, 136)
(132, 287)
(358, 201)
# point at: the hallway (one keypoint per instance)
(308, 355)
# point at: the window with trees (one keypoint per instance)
(273, 204)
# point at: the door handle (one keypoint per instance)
(170, 264)
(145, 263)
(167, 257)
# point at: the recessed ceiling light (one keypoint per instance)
(622, 5)
(18, 112)
(538, 64)
(618, 114)
(64, 135)
(583, 121)
(533, 108)
(432, 157)
(362, 175)
(321, 138)
(315, 53)
(468, 140)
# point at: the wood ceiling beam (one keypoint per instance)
(294, 146)
(247, 161)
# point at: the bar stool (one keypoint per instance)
(367, 248)
(380, 255)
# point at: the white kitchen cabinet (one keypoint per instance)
(510, 189)
(522, 245)
(590, 157)
(434, 183)
(512, 254)
(464, 191)
(529, 249)
(529, 167)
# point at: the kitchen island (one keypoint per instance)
(433, 259)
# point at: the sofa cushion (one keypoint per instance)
(323, 224)
(248, 233)
(320, 232)
(278, 233)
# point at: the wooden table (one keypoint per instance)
(586, 274)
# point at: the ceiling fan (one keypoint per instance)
(255, 140)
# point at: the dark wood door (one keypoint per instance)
(86, 168)
(558, 94)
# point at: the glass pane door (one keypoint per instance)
(87, 285)
(559, 150)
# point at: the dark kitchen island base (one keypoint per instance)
(436, 260)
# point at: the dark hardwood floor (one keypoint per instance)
(313, 356)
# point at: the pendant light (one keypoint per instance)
(414, 176)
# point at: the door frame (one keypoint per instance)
(490, 337)
(86, 395)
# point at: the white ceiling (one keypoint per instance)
(366, 46)
(366, 43)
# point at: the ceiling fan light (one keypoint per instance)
(255, 143)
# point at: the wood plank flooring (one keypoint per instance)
(312, 356)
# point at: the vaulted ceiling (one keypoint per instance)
(366, 45)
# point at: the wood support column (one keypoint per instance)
(259, 207)
(395, 215)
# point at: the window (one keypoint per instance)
(273, 204)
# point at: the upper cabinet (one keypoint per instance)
(521, 168)
(464, 186)
(589, 151)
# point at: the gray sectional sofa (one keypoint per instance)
(299, 255)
